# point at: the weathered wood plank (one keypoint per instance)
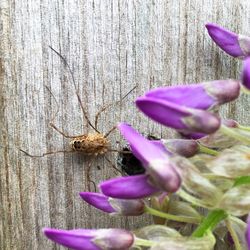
(111, 46)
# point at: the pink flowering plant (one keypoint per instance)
(197, 186)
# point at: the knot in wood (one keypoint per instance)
(90, 144)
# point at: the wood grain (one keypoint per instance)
(111, 46)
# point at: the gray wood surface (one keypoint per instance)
(111, 46)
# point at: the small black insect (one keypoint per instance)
(129, 163)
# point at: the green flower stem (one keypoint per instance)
(184, 219)
(207, 150)
(246, 128)
(232, 133)
(210, 222)
(194, 201)
(211, 176)
(233, 235)
(239, 221)
(143, 242)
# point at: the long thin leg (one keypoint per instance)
(112, 165)
(76, 90)
(119, 151)
(111, 104)
(87, 174)
(54, 116)
(110, 131)
(47, 153)
(62, 133)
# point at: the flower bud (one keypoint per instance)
(164, 175)
(201, 121)
(179, 117)
(168, 238)
(219, 139)
(81, 239)
(127, 207)
(231, 162)
(236, 200)
(131, 187)
(186, 148)
(161, 203)
(114, 206)
(233, 44)
(160, 172)
(204, 95)
(223, 91)
(195, 183)
(246, 73)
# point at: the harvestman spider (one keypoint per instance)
(92, 144)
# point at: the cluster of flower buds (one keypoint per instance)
(190, 109)
(208, 168)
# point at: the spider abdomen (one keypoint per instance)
(90, 144)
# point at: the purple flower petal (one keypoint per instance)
(98, 200)
(193, 136)
(142, 148)
(127, 207)
(160, 145)
(246, 73)
(193, 95)
(114, 206)
(164, 175)
(199, 96)
(164, 112)
(132, 187)
(91, 239)
(78, 239)
(229, 123)
(183, 119)
(155, 159)
(225, 39)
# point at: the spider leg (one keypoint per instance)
(112, 165)
(111, 104)
(47, 153)
(76, 90)
(110, 131)
(87, 176)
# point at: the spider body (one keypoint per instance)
(92, 144)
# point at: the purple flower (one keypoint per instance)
(161, 173)
(114, 206)
(233, 44)
(205, 95)
(155, 159)
(186, 148)
(179, 117)
(246, 73)
(131, 187)
(143, 149)
(229, 123)
(91, 239)
(186, 108)
(248, 233)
